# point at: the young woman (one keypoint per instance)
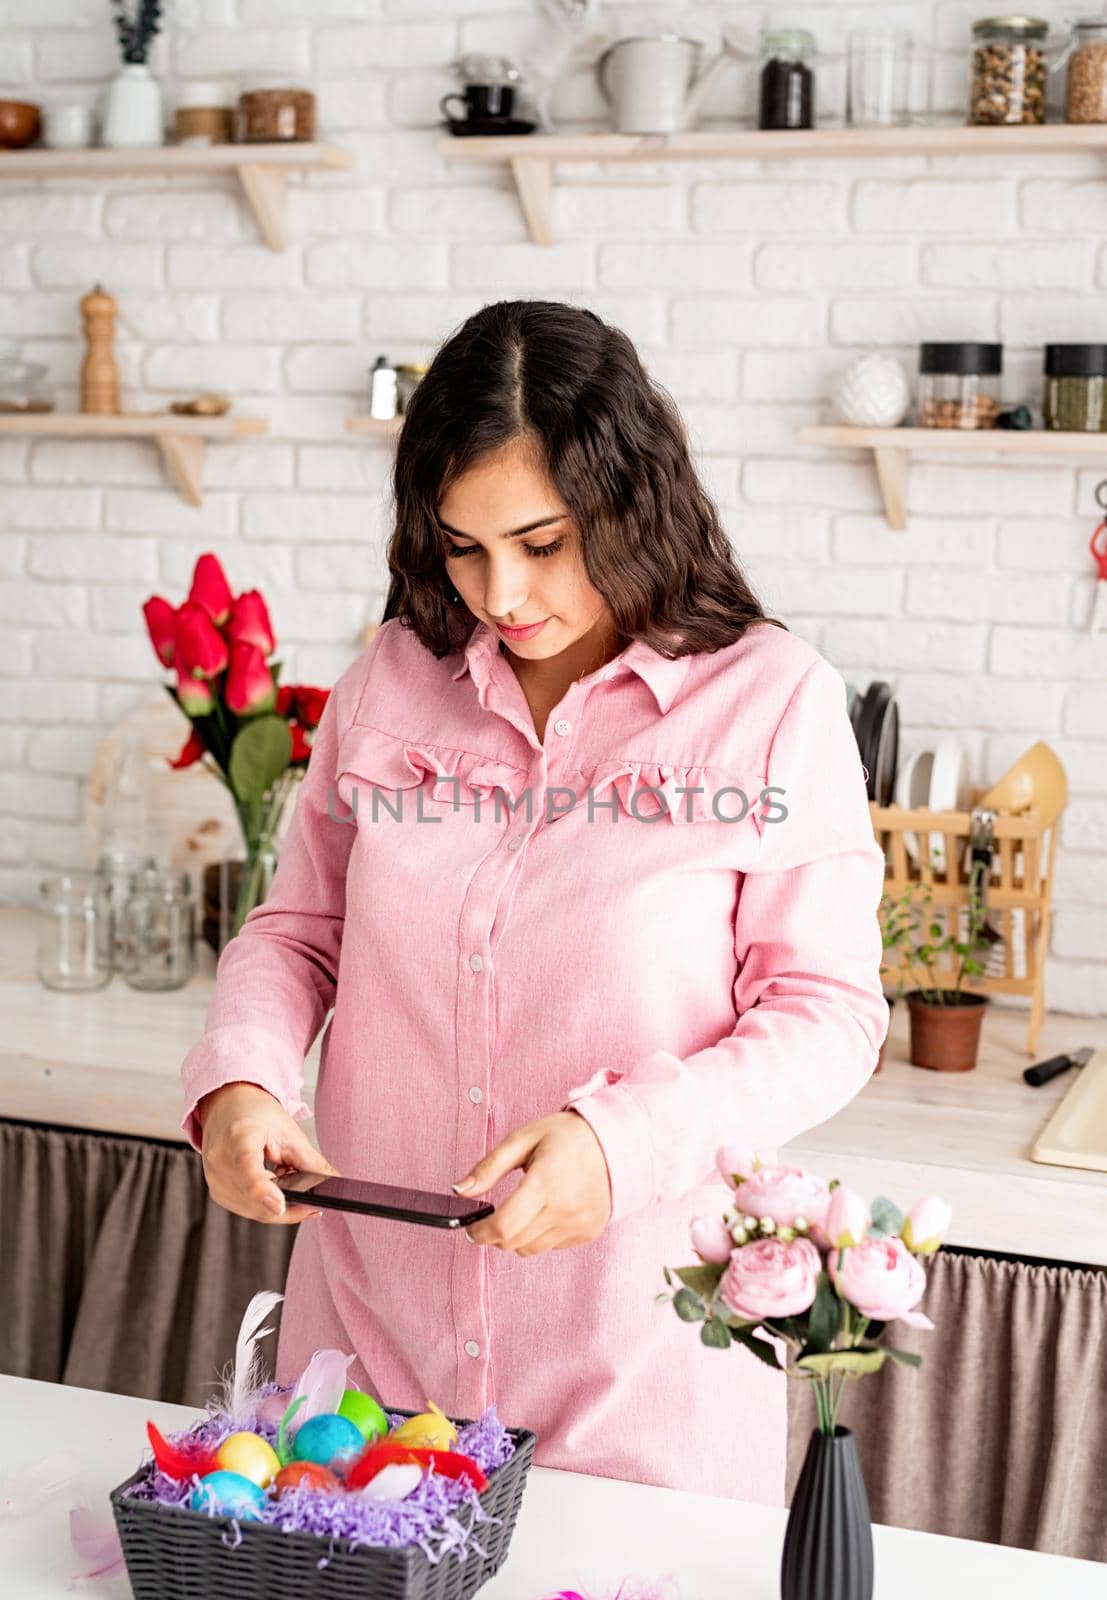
(583, 862)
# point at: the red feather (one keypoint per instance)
(177, 1463)
(446, 1462)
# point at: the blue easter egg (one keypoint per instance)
(227, 1494)
(327, 1439)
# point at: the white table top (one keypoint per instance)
(110, 1060)
(573, 1530)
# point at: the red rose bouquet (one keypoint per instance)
(251, 732)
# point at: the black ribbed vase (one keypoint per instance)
(828, 1543)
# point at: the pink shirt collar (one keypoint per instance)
(662, 676)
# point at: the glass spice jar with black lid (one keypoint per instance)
(787, 98)
(959, 385)
(1076, 388)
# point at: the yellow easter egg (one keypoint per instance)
(431, 1429)
(250, 1455)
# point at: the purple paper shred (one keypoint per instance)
(440, 1515)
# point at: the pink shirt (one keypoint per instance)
(681, 980)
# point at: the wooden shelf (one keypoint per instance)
(181, 440)
(891, 448)
(531, 157)
(384, 426)
(261, 169)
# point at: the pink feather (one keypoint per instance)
(323, 1381)
(25, 1489)
(93, 1535)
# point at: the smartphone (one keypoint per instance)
(383, 1200)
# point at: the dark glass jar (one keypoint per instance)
(1076, 388)
(787, 79)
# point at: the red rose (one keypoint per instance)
(286, 701)
(195, 696)
(191, 751)
(161, 624)
(249, 685)
(200, 649)
(210, 589)
(301, 750)
(249, 623)
(310, 703)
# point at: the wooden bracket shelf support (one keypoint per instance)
(180, 439)
(266, 192)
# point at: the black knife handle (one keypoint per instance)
(1043, 1071)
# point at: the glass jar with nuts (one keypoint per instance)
(959, 385)
(1008, 70)
(1086, 82)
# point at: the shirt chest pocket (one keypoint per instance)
(448, 778)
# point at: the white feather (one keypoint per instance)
(247, 1356)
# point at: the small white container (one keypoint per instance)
(67, 127)
(133, 117)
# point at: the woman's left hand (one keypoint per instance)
(565, 1197)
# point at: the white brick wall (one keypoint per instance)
(746, 288)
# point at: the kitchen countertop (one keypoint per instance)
(618, 1530)
(110, 1060)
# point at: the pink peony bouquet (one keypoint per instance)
(799, 1260)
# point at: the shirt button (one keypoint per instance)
(562, 726)
(476, 963)
(472, 1348)
(476, 1094)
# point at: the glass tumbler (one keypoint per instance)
(75, 933)
(159, 931)
(877, 85)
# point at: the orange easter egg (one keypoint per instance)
(304, 1474)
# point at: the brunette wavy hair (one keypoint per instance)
(613, 443)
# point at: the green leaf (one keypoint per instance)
(906, 1358)
(854, 1363)
(886, 1216)
(701, 1280)
(688, 1306)
(261, 751)
(283, 1448)
(758, 1347)
(716, 1334)
(668, 1275)
(825, 1316)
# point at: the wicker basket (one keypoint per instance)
(174, 1553)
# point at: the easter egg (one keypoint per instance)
(306, 1475)
(430, 1429)
(227, 1494)
(365, 1414)
(394, 1482)
(329, 1439)
(250, 1455)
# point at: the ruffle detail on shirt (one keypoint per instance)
(656, 788)
(370, 757)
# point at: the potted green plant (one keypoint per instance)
(945, 1018)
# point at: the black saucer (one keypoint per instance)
(482, 127)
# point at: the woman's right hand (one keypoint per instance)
(243, 1126)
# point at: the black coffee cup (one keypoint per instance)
(482, 102)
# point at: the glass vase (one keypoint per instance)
(235, 886)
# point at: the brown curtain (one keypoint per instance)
(118, 1271)
(1001, 1434)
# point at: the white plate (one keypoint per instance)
(949, 791)
(912, 790)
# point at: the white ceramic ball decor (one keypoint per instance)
(872, 393)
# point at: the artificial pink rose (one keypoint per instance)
(784, 1193)
(847, 1218)
(926, 1223)
(882, 1279)
(771, 1278)
(739, 1161)
(711, 1239)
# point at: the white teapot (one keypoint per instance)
(655, 84)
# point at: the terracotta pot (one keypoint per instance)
(945, 1037)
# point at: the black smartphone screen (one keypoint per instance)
(383, 1200)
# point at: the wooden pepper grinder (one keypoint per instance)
(99, 373)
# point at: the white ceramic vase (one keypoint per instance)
(133, 113)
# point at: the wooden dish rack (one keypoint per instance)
(1018, 893)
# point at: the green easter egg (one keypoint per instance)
(365, 1414)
